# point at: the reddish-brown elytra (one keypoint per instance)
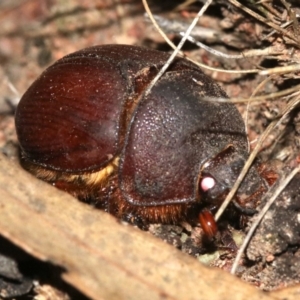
(86, 126)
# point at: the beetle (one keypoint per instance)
(87, 126)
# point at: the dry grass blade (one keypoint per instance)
(161, 32)
(281, 70)
(249, 53)
(257, 99)
(265, 21)
(274, 193)
(176, 51)
(253, 155)
(187, 37)
(249, 102)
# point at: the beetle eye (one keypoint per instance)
(207, 183)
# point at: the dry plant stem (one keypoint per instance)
(283, 26)
(176, 26)
(169, 42)
(271, 9)
(155, 24)
(176, 51)
(264, 20)
(272, 96)
(250, 53)
(101, 257)
(260, 86)
(210, 34)
(282, 70)
(290, 106)
(12, 88)
(210, 50)
(249, 103)
(225, 71)
(260, 216)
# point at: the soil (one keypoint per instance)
(34, 34)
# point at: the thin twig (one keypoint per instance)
(290, 106)
(155, 24)
(250, 53)
(264, 20)
(282, 70)
(176, 26)
(249, 103)
(283, 26)
(176, 51)
(258, 98)
(171, 44)
(260, 216)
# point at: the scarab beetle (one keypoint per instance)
(87, 126)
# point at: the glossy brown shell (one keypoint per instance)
(89, 107)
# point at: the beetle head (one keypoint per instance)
(219, 174)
